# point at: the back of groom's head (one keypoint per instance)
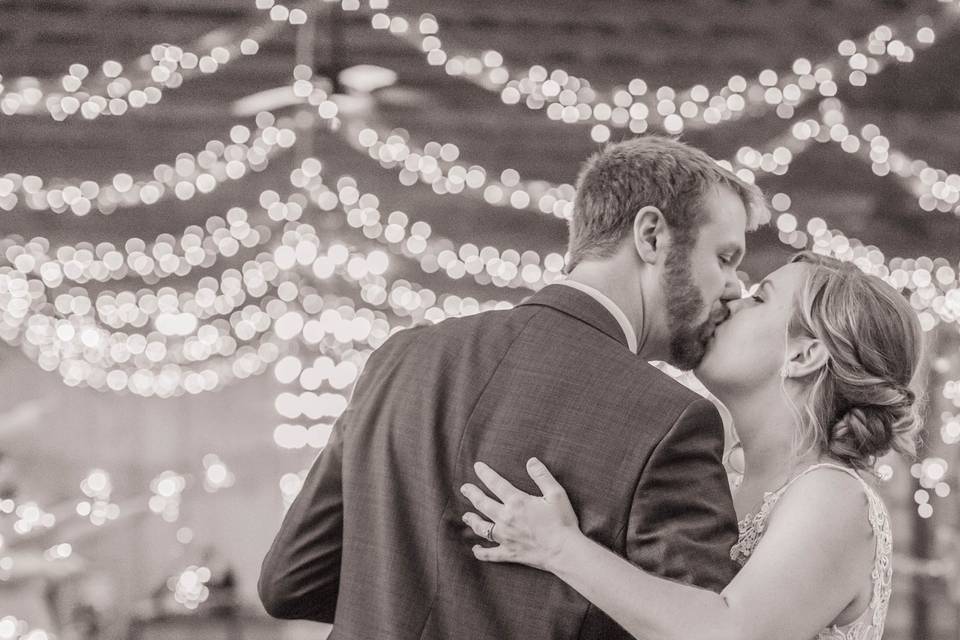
(652, 170)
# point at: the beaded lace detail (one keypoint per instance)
(869, 625)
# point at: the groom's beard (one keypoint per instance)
(688, 339)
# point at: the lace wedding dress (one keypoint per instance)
(869, 625)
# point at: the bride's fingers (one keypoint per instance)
(484, 504)
(497, 484)
(548, 485)
(492, 554)
(477, 524)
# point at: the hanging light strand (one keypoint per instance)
(188, 176)
(112, 91)
(637, 106)
(415, 239)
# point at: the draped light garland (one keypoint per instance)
(936, 189)
(195, 248)
(281, 13)
(189, 175)
(112, 92)
(489, 265)
(636, 106)
(68, 339)
(440, 166)
(62, 328)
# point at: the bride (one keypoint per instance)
(816, 370)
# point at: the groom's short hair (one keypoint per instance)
(626, 176)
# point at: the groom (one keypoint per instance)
(374, 542)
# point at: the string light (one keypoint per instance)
(60, 551)
(932, 285)
(435, 164)
(217, 475)
(489, 265)
(166, 256)
(70, 301)
(188, 176)
(637, 106)
(85, 353)
(337, 367)
(936, 189)
(13, 628)
(951, 391)
(930, 473)
(784, 149)
(152, 350)
(282, 13)
(290, 485)
(98, 487)
(159, 349)
(111, 92)
(171, 379)
(950, 429)
(189, 587)
(167, 488)
(30, 516)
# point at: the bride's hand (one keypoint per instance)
(530, 530)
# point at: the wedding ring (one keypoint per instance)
(488, 534)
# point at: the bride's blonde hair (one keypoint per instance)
(863, 402)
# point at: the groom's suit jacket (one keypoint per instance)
(374, 542)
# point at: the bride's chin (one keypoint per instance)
(707, 371)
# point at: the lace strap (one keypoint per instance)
(820, 465)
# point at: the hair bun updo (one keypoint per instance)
(862, 404)
(867, 432)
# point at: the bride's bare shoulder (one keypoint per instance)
(831, 499)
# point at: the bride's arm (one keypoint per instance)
(814, 558)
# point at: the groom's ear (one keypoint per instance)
(808, 356)
(649, 233)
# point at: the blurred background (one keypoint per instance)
(213, 211)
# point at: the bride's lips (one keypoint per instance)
(713, 324)
(710, 333)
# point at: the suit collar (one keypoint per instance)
(579, 305)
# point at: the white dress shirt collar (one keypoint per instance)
(610, 306)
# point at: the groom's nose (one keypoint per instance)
(731, 289)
